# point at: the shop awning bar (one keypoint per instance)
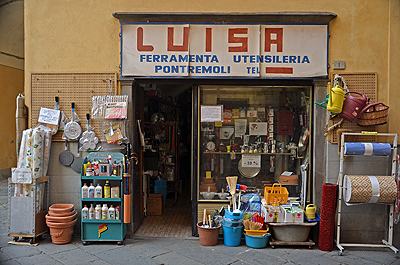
(193, 17)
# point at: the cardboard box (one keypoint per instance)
(155, 204)
(272, 214)
(297, 217)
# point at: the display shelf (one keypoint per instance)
(101, 199)
(101, 177)
(240, 153)
(94, 230)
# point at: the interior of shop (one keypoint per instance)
(166, 164)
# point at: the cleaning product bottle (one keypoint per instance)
(115, 192)
(104, 212)
(91, 211)
(85, 191)
(85, 212)
(89, 169)
(111, 213)
(96, 168)
(98, 193)
(107, 190)
(97, 212)
(91, 190)
(117, 212)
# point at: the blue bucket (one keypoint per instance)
(232, 235)
(257, 241)
(232, 215)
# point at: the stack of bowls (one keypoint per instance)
(61, 219)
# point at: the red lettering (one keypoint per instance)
(140, 46)
(242, 40)
(178, 48)
(208, 39)
(278, 41)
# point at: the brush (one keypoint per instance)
(232, 181)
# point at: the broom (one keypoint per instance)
(232, 188)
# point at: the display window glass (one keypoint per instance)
(260, 134)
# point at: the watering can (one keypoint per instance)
(336, 98)
(353, 107)
(310, 211)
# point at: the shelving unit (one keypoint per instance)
(103, 229)
(386, 243)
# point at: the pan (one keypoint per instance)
(248, 172)
(72, 129)
(78, 161)
(66, 157)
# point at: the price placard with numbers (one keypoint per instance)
(251, 160)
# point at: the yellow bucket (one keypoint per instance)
(256, 232)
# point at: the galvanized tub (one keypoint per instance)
(291, 232)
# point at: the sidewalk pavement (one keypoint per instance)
(177, 251)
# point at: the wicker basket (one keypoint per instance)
(376, 114)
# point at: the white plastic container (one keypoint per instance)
(98, 192)
(91, 190)
(111, 213)
(104, 212)
(85, 212)
(91, 212)
(85, 191)
(115, 192)
(97, 212)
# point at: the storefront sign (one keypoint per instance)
(210, 50)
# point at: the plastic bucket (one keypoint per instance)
(232, 215)
(257, 241)
(232, 235)
(232, 222)
(208, 236)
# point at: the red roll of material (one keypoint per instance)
(327, 215)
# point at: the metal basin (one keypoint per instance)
(291, 232)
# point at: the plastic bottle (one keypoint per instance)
(104, 212)
(111, 213)
(96, 168)
(115, 192)
(85, 193)
(107, 190)
(89, 169)
(98, 192)
(117, 212)
(91, 190)
(91, 212)
(85, 212)
(97, 212)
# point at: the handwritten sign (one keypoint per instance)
(49, 116)
(21, 175)
(251, 160)
(211, 113)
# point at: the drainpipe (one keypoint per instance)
(21, 120)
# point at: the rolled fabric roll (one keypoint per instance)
(369, 189)
(327, 215)
(376, 149)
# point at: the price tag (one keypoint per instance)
(251, 160)
(369, 133)
(21, 175)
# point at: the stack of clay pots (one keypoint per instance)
(61, 219)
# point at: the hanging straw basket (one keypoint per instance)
(376, 114)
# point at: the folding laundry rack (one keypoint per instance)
(389, 241)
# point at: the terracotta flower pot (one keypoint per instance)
(61, 219)
(61, 233)
(61, 208)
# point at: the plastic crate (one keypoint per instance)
(276, 194)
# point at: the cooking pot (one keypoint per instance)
(353, 106)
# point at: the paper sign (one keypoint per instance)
(251, 160)
(21, 175)
(211, 113)
(49, 116)
(240, 127)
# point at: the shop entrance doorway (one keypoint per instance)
(166, 161)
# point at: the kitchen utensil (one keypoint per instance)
(248, 172)
(66, 157)
(78, 162)
(88, 140)
(72, 129)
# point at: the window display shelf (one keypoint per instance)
(102, 221)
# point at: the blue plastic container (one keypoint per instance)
(232, 215)
(160, 186)
(232, 235)
(257, 241)
(232, 222)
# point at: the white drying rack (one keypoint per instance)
(386, 243)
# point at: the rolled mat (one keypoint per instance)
(369, 189)
(376, 149)
(127, 208)
(328, 212)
